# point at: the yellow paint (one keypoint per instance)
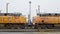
(47, 19)
(12, 19)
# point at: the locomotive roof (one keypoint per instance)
(49, 14)
(10, 14)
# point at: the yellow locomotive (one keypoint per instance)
(48, 20)
(11, 20)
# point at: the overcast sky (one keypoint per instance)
(22, 6)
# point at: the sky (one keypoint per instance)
(22, 6)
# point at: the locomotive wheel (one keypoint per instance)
(43, 27)
(1, 26)
(8, 26)
(36, 26)
(22, 26)
(50, 26)
(14, 26)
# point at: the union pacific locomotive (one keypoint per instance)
(11, 21)
(41, 21)
(46, 21)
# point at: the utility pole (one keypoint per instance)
(39, 9)
(7, 7)
(29, 15)
(0, 11)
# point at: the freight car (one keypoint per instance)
(12, 21)
(46, 21)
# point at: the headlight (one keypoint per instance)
(33, 23)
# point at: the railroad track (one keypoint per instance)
(29, 30)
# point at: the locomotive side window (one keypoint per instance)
(5, 14)
(49, 14)
(56, 14)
